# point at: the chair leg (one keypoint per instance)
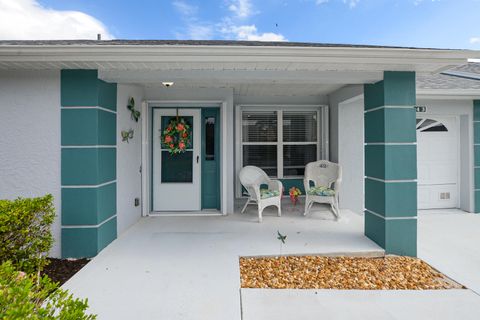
(334, 205)
(245, 206)
(260, 210)
(279, 206)
(308, 206)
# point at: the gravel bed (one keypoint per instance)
(320, 272)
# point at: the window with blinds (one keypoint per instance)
(281, 142)
(259, 139)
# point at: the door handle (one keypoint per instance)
(198, 158)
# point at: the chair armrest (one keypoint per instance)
(336, 185)
(306, 184)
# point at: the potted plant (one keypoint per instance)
(294, 192)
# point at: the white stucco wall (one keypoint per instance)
(351, 154)
(334, 99)
(30, 138)
(129, 159)
(208, 95)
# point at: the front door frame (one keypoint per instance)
(146, 169)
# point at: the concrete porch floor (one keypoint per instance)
(187, 267)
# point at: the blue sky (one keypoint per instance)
(422, 23)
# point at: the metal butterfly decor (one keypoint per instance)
(127, 135)
(281, 237)
(135, 114)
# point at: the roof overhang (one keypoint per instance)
(211, 57)
(448, 94)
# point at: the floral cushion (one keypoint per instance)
(265, 193)
(321, 191)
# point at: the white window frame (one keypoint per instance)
(322, 132)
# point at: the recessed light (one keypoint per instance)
(168, 83)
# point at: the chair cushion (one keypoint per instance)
(321, 191)
(266, 193)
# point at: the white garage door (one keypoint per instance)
(437, 162)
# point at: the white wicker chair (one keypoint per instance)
(322, 173)
(252, 178)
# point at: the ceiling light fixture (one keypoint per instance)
(168, 83)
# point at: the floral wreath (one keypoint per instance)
(176, 136)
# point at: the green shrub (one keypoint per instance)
(24, 296)
(25, 234)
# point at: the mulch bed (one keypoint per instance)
(60, 270)
(348, 273)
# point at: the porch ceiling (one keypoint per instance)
(245, 82)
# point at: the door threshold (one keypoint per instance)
(203, 213)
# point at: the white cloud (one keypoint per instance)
(241, 8)
(351, 3)
(475, 40)
(185, 8)
(195, 29)
(250, 33)
(28, 20)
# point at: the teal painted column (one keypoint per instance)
(88, 163)
(391, 163)
(476, 146)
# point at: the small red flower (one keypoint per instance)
(180, 127)
(168, 139)
(181, 145)
(171, 146)
(184, 135)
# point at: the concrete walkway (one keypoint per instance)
(187, 267)
(450, 241)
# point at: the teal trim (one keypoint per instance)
(397, 236)
(82, 88)
(390, 125)
(107, 97)
(107, 232)
(476, 110)
(477, 155)
(375, 228)
(288, 183)
(211, 168)
(391, 155)
(400, 88)
(107, 164)
(88, 166)
(86, 162)
(477, 178)
(477, 201)
(88, 206)
(79, 206)
(107, 128)
(88, 242)
(401, 237)
(88, 127)
(387, 199)
(79, 88)
(374, 95)
(476, 132)
(396, 89)
(391, 162)
(79, 242)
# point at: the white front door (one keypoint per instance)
(437, 162)
(176, 179)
